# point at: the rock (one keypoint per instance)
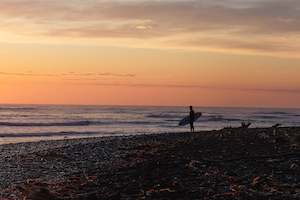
(40, 194)
(263, 136)
(256, 181)
(294, 166)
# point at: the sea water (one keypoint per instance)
(20, 123)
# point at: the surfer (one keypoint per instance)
(192, 118)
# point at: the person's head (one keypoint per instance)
(191, 107)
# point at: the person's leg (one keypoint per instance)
(192, 127)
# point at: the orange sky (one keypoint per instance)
(206, 53)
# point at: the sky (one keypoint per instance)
(150, 52)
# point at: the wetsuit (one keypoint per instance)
(192, 119)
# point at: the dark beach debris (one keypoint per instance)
(40, 194)
(276, 126)
(244, 164)
(245, 125)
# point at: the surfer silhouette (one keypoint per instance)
(192, 118)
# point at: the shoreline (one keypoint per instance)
(157, 166)
(96, 136)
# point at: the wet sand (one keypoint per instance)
(225, 164)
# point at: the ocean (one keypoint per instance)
(20, 123)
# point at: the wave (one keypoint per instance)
(218, 119)
(4, 108)
(40, 124)
(212, 118)
(273, 113)
(136, 122)
(75, 123)
(53, 134)
(268, 116)
(164, 116)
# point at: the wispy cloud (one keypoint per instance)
(229, 24)
(94, 78)
(203, 87)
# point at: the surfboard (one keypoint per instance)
(186, 120)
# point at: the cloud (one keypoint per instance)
(225, 42)
(188, 86)
(247, 23)
(94, 78)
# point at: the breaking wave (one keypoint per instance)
(273, 113)
(268, 116)
(30, 124)
(4, 108)
(74, 123)
(164, 116)
(218, 118)
(54, 134)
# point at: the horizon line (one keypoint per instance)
(145, 105)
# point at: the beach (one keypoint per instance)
(231, 163)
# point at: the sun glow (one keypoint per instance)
(150, 52)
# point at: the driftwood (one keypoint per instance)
(245, 125)
(276, 126)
